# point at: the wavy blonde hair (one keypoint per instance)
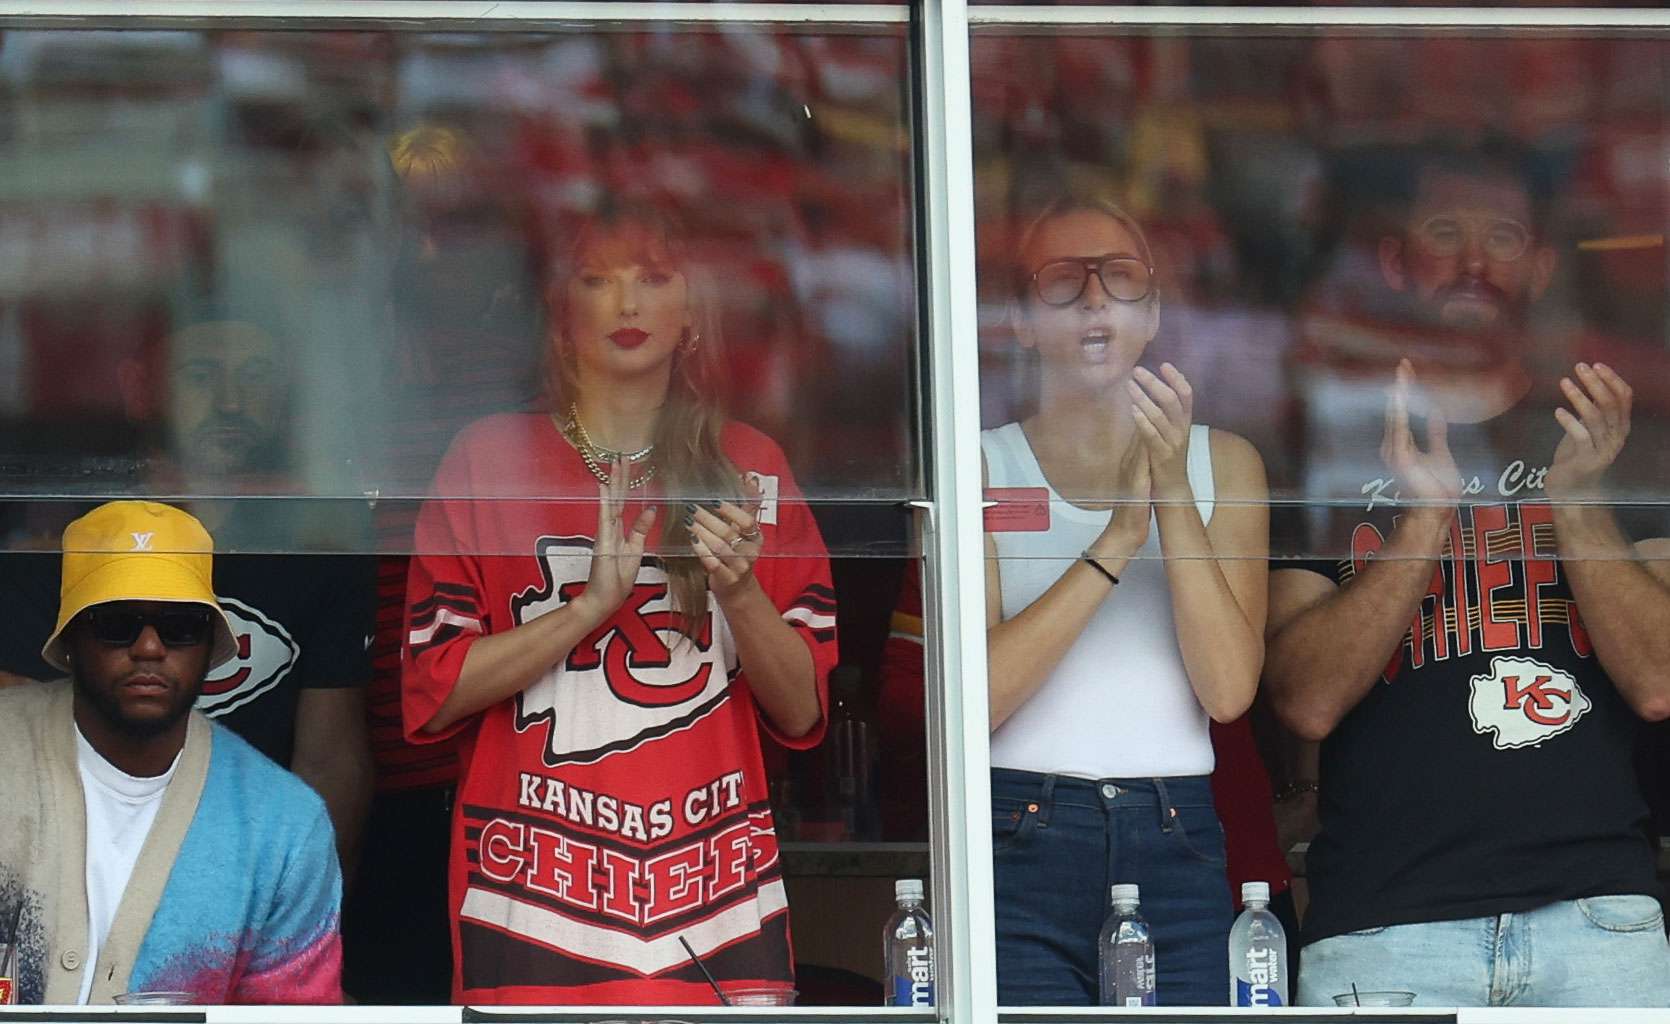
(688, 459)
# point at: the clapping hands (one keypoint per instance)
(1595, 431)
(1163, 405)
(1428, 477)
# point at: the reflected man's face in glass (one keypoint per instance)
(1095, 336)
(226, 396)
(627, 311)
(1469, 259)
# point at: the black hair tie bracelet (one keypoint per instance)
(1098, 566)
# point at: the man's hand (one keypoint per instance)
(1430, 478)
(1595, 434)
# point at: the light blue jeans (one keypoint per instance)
(1601, 951)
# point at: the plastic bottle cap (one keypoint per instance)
(1255, 892)
(1125, 893)
(908, 889)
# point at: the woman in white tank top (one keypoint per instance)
(1116, 631)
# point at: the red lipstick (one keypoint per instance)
(628, 337)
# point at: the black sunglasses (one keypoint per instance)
(117, 626)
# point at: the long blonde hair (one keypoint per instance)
(688, 459)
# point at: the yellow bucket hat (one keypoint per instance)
(137, 551)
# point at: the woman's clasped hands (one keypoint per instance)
(727, 539)
(1155, 468)
(1162, 405)
(618, 552)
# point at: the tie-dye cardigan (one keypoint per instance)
(235, 895)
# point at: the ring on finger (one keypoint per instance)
(752, 535)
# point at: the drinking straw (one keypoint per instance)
(705, 972)
(1355, 997)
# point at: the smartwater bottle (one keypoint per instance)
(908, 948)
(1257, 952)
(1127, 953)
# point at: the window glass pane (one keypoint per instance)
(1254, 231)
(1269, 176)
(363, 226)
(377, 307)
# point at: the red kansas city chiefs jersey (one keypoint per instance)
(619, 803)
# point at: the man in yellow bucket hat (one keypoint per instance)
(125, 564)
(153, 850)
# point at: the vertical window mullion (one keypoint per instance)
(954, 573)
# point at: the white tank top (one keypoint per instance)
(1119, 703)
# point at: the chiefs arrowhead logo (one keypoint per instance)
(1523, 702)
(266, 654)
(634, 679)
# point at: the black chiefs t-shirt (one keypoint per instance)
(1490, 769)
(301, 623)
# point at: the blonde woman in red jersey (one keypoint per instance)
(589, 606)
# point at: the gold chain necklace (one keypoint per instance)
(604, 454)
(595, 455)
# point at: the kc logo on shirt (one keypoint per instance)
(266, 654)
(632, 680)
(1522, 701)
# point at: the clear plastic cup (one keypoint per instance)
(155, 999)
(1375, 999)
(761, 995)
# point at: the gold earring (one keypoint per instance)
(692, 341)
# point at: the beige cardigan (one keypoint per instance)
(43, 840)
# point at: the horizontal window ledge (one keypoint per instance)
(475, 17)
(1317, 17)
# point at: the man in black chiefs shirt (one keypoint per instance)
(295, 691)
(1483, 834)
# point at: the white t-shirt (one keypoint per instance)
(1119, 703)
(120, 810)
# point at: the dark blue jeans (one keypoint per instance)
(1059, 842)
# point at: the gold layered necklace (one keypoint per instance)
(598, 458)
